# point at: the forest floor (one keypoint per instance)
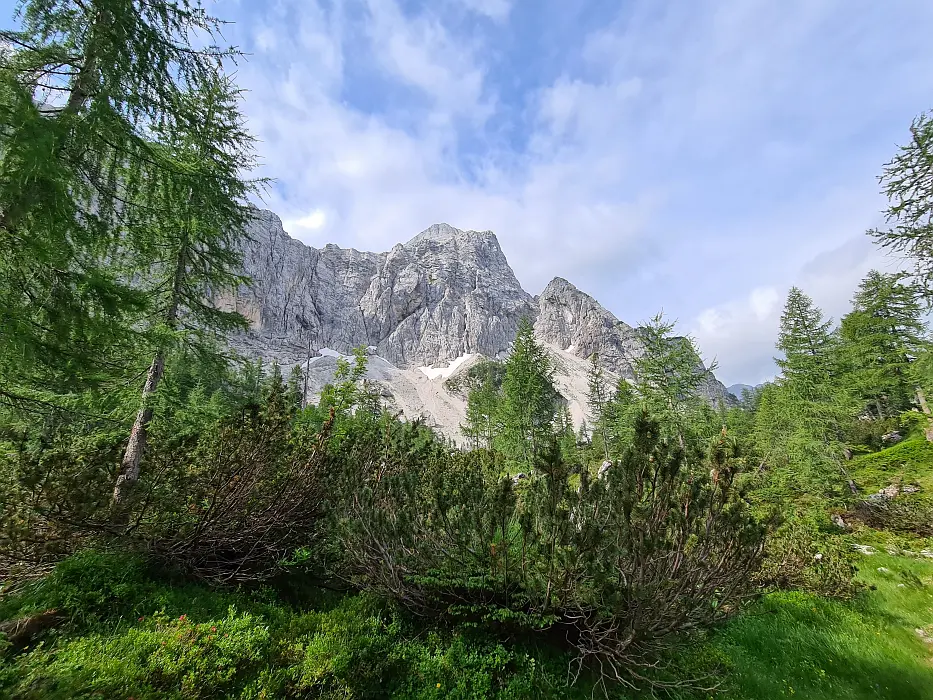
(129, 636)
(122, 631)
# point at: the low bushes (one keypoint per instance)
(194, 642)
(228, 505)
(614, 569)
(254, 493)
(617, 567)
(803, 554)
(907, 514)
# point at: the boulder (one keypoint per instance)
(890, 492)
(892, 438)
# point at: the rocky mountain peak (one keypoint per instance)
(444, 296)
(444, 246)
(559, 286)
(575, 322)
(445, 234)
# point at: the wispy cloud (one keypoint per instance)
(497, 10)
(697, 157)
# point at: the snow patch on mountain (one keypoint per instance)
(446, 372)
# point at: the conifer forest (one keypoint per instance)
(179, 520)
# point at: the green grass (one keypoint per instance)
(906, 462)
(802, 646)
(132, 635)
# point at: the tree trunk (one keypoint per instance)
(304, 389)
(849, 482)
(926, 411)
(129, 467)
(921, 399)
(81, 88)
(136, 448)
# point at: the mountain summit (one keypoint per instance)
(427, 310)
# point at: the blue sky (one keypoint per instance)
(691, 156)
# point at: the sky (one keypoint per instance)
(696, 157)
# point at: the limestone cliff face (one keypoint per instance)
(578, 324)
(305, 297)
(444, 295)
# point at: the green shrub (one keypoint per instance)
(347, 652)
(907, 514)
(914, 424)
(99, 587)
(803, 554)
(87, 585)
(161, 657)
(663, 544)
(870, 432)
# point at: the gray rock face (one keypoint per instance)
(303, 297)
(578, 324)
(443, 295)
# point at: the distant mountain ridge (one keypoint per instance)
(426, 310)
(738, 389)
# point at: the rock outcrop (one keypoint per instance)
(426, 310)
(443, 294)
(578, 324)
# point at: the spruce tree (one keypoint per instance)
(529, 400)
(597, 399)
(620, 413)
(881, 336)
(801, 415)
(669, 375)
(809, 347)
(343, 394)
(565, 435)
(482, 405)
(296, 389)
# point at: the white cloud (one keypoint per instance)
(742, 333)
(760, 307)
(764, 301)
(739, 338)
(585, 114)
(702, 157)
(310, 222)
(420, 52)
(497, 10)
(265, 39)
